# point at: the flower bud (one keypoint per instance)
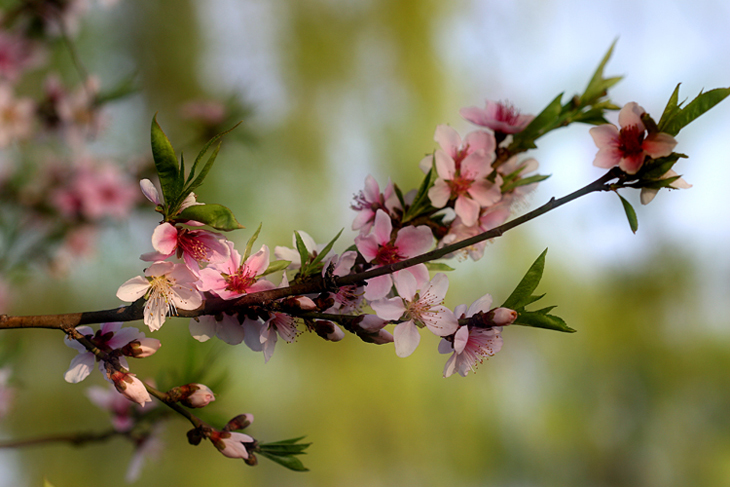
(504, 316)
(130, 387)
(328, 330)
(201, 396)
(141, 347)
(240, 422)
(232, 445)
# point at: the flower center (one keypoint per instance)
(459, 185)
(240, 281)
(387, 254)
(631, 140)
(191, 245)
(506, 112)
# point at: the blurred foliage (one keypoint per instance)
(639, 396)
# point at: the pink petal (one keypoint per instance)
(133, 289)
(439, 193)
(445, 165)
(378, 287)
(382, 228)
(467, 209)
(448, 139)
(476, 165)
(150, 191)
(202, 329)
(406, 285)
(230, 330)
(388, 309)
(659, 145)
(608, 157)
(259, 261)
(486, 193)
(164, 239)
(406, 338)
(632, 164)
(461, 338)
(605, 135)
(481, 139)
(412, 241)
(631, 114)
(80, 367)
(482, 304)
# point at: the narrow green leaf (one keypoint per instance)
(660, 183)
(285, 448)
(540, 124)
(532, 299)
(536, 319)
(670, 110)
(630, 214)
(421, 198)
(249, 244)
(302, 249)
(523, 182)
(285, 442)
(658, 167)
(438, 267)
(205, 148)
(598, 84)
(203, 173)
(523, 292)
(321, 255)
(290, 462)
(277, 265)
(216, 216)
(702, 103)
(165, 163)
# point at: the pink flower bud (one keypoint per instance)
(240, 422)
(130, 387)
(504, 316)
(200, 397)
(141, 347)
(232, 445)
(328, 330)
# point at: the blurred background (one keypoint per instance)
(332, 91)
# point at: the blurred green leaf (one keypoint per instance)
(630, 214)
(277, 265)
(216, 216)
(438, 267)
(598, 85)
(290, 462)
(522, 295)
(249, 244)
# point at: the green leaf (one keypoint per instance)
(523, 182)
(598, 85)
(290, 462)
(302, 249)
(249, 244)
(533, 298)
(658, 167)
(630, 214)
(321, 255)
(670, 110)
(216, 216)
(277, 265)
(660, 183)
(438, 267)
(290, 441)
(522, 294)
(540, 124)
(421, 198)
(702, 103)
(537, 319)
(166, 164)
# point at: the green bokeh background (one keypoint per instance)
(639, 396)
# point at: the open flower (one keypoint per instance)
(167, 287)
(194, 246)
(380, 249)
(498, 116)
(628, 147)
(424, 309)
(232, 279)
(111, 336)
(369, 201)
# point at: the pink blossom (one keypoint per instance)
(230, 444)
(147, 448)
(122, 410)
(280, 324)
(130, 387)
(628, 147)
(498, 116)
(490, 217)
(368, 201)
(418, 310)
(207, 112)
(471, 344)
(379, 248)
(200, 397)
(232, 279)
(17, 54)
(110, 336)
(166, 287)
(194, 246)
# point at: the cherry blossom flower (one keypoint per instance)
(471, 344)
(230, 444)
(110, 336)
(424, 309)
(628, 147)
(194, 246)
(232, 279)
(380, 249)
(279, 324)
(167, 287)
(498, 116)
(206, 112)
(368, 201)
(648, 194)
(148, 448)
(200, 396)
(17, 54)
(130, 387)
(123, 411)
(490, 217)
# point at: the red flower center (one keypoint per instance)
(387, 254)
(240, 281)
(631, 141)
(459, 185)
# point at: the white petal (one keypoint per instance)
(406, 338)
(80, 368)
